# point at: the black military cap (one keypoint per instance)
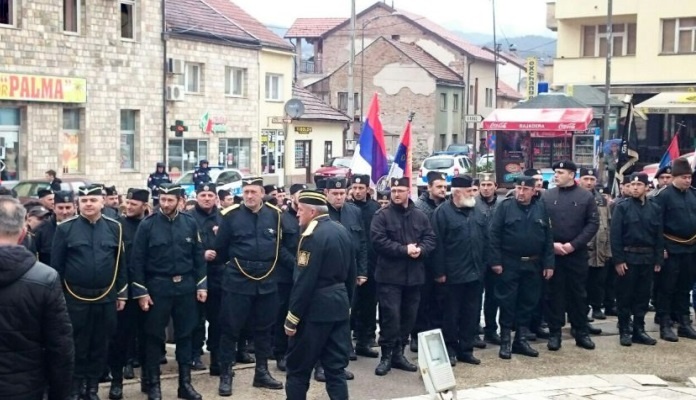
(486, 177)
(44, 192)
(321, 184)
(205, 187)
(160, 165)
(91, 190)
(603, 189)
(101, 185)
(336, 183)
(640, 177)
(296, 187)
(312, 197)
(138, 195)
(258, 181)
(565, 164)
(527, 181)
(433, 176)
(587, 172)
(171, 189)
(38, 211)
(626, 179)
(64, 197)
(270, 188)
(110, 190)
(667, 169)
(223, 193)
(384, 195)
(531, 172)
(281, 189)
(403, 182)
(464, 181)
(476, 182)
(361, 179)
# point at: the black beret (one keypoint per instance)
(404, 182)
(640, 177)
(44, 192)
(531, 172)
(296, 187)
(463, 181)
(223, 193)
(565, 164)
(110, 190)
(360, 179)
(281, 189)
(667, 169)
(171, 188)
(587, 172)
(252, 181)
(336, 183)
(433, 176)
(38, 211)
(64, 197)
(312, 197)
(626, 179)
(321, 183)
(384, 195)
(138, 195)
(205, 187)
(270, 188)
(527, 181)
(476, 182)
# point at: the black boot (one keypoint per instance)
(492, 338)
(281, 363)
(154, 392)
(685, 329)
(554, 343)
(384, 365)
(214, 365)
(243, 357)
(625, 331)
(128, 372)
(597, 313)
(365, 351)
(226, 375)
(593, 330)
(116, 389)
(413, 346)
(582, 339)
(505, 351)
(399, 361)
(263, 378)
(520, 345)
(478, 343)
(352, 356)
(319, 374)
(76, 390)
(186, 390)
(106, 376)
(639, 334)
(468, 358)
(92, 389)
(666, 332)
(542, 333)
(197, 364)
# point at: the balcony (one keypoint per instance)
(310, 67)
(551, 22)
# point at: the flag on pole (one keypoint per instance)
(370, 156)
(629, 149)
(672, 152)
(402, 166)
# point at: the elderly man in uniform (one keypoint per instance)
(88, 255)
(459, 262)
(676, 277)
(168, 279)
(403, 238)
(521, 252)
(575, 221)
(318, 317)
(638, 249)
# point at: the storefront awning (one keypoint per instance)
(544, 119)
(670, 103)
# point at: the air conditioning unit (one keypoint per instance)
(175, 66)
(175, 93)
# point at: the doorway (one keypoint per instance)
(303, 157)
(9, 144)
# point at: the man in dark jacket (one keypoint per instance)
(64, 208)
(155, 179)
(202, 173)
(459, 262)
(402, 238)
(53, 181)
(37, 344)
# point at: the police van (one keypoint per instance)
(229, 179)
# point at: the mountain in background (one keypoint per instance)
(527, 46)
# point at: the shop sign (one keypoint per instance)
(303, 130)
(531, 77)
(213, 124)
(43, 88)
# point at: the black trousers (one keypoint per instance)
(212, 313)
(235, 311)
(567, 292)
(398, 307)
(674, 282)
(517, 291)
(430, 308)
(610, 284)
(364, 313)
(596, 282)
(462, 315)
(280, 339)
(183, 310)
(93, 325)
(633, 292)
(326, 342)
(123, 342)
(198, 334)
(491, 304)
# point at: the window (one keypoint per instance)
(274, 87)
(192, 78)
(129, 122)
(443, 101)
(228, 177)
(343, 101)
(455, 102)
(184, 155)
(471, 95)
(594, 40)
(679, 35)
(328, 151)
(236, 153)
(489, 97)
(128, 19)
(70, 154)
(7, 12)
(234, 81)
(71, 16)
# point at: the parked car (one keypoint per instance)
(452, 165)
(486, 160)
(26, 189)
(457, 149)
(224, 178)
(651, 169)
(340, 167)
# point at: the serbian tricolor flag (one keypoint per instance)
(370, 156)
(672, 152)
(402, 166)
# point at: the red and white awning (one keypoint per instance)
(544, 119)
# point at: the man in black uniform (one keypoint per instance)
(638, 250)
(364, 315)
(107, 211)
(202, 173)
(207, 217)
(676, 278)
(155, 179)
(249, 244)
(111, 199)
(64, 209)
(384, 198)
(46, 197)
(402, 237)
(574, 220)
(318, 317)
(123, 342)
(87, 253)
(521, 247)
(168, 277)
(459, 263)
(226, 200)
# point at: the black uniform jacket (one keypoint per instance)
(43, 239)
(368, 208)
(155, 180)
(462, 237)
(130, 227)
(350, 217)
(679, 215)
(89, 258)
(167, 257)
(426, 204)
(393, 228)
(574, 215)
(207, 221)
(325, 274)
(518, 231)
(636, 233)
(291, 238)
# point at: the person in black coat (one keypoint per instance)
(37, 344)
(53, 181)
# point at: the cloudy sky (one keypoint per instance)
(514, 17)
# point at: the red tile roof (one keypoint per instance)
(426, 61)
(312, 27)
(195, 17)
(315, 109)
(504, 90)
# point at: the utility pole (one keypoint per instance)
(607, 82)
(495, 56)
(351, 64)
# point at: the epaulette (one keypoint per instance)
(110, 219)
(68, 220)
(224, 211)
(658, 191)
(310, 228)
(273, 207)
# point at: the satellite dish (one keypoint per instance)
(294, 108)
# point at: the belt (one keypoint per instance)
(686, 242)
(523, 259)
(641, 250)
(331, 288)
(85, 292)
(173, 278)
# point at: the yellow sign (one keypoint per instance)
(303, 130)
(54, 89)
(531, 77)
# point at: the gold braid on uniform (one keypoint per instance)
(113, 280)
(277, 252)
(688, 242)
